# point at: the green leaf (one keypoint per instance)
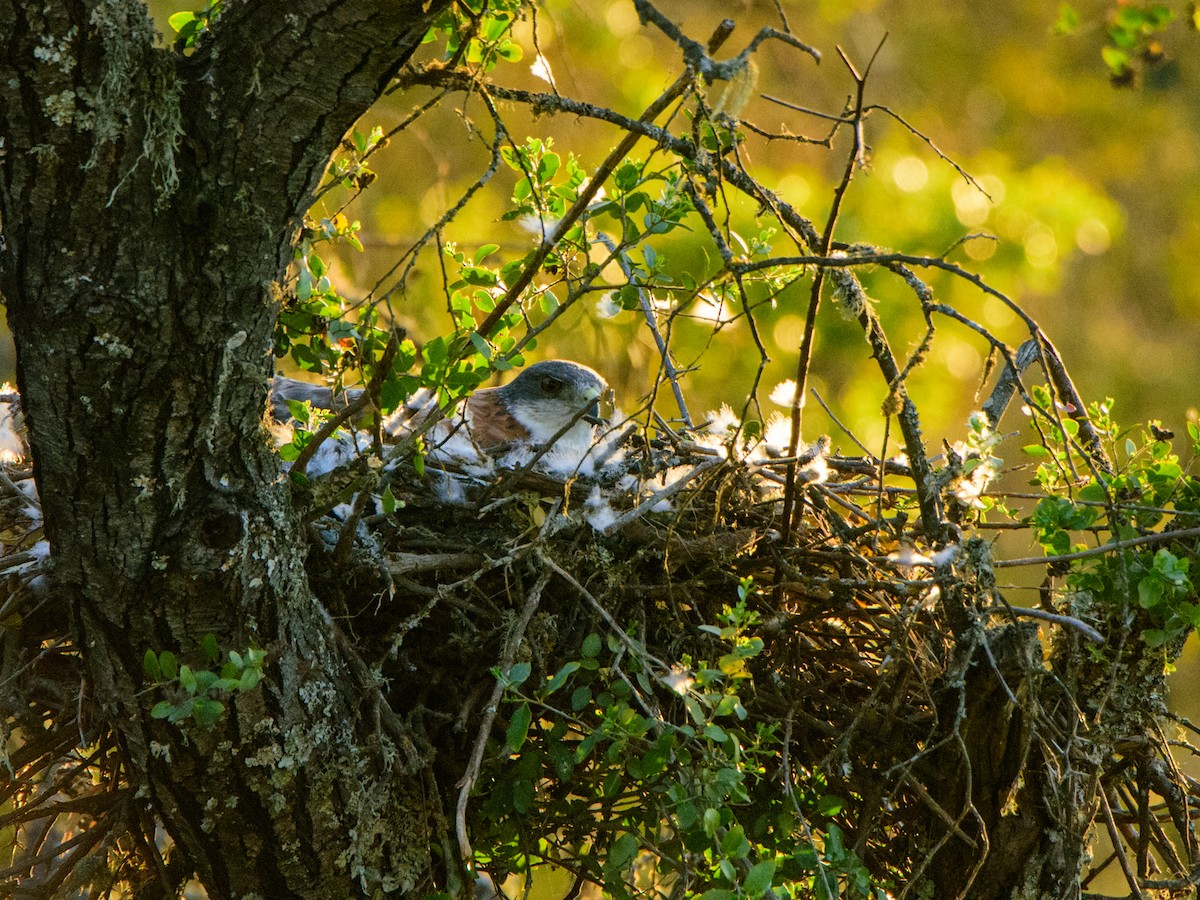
(187, 679)
(206, 711)
(510, 51)
(300, 411)
(830, 805)
(481, 345)
(759, 878)
(734, 844)
(166, 661)
(518, 673)
(180, 19)
(591, 646)
(623, 851)
(484, 252)
(209, 645)
(548, 166)
(388, 500)
(1149, 592)
(250, 679)
(518, 727)
(161, 710)
(1068, 20)
(560, 677)
(151, 667)
(205, 680)
(627, 176)
(712, 821)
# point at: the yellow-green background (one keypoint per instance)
(1096, 190)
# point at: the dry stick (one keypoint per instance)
(1114, 835)
(638, 650)
(804, 362)
(587, 193)
(658, 496)
(1098, 551)
(11, 485)
(664, 351)
(467, 782)
(1069, 621)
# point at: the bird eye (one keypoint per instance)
(551, 386)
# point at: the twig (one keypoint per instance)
(1158, 537)
(792, 503)
(1114, 835)
(1069, 621)
(638, 650)
(587, 193)
(658, 496)
(652, 323)
(467, 783)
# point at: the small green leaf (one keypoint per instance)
(1068, 20)
(481, 345)
(250, 678)
(1149, 592)
(591, 646)
(759, 878)
(518, 673)
(388, 500)
(206, 712)
(561, 676)
(166, 661)
(209, 645)
(151, 667)
(180, 19)
(484, 252)
(205, 680)
(734, 844)
(623, 851)
(518, 727)
(187, 679)
(161, 710)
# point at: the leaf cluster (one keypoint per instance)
(197, 694)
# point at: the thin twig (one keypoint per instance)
(1157, 538)
(467, 783)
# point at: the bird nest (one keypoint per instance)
(652, 549)
(876, 656)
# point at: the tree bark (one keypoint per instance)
(149, 203)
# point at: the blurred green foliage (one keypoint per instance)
(1094, 191)
(997, 141)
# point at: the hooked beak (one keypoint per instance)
(592, 414)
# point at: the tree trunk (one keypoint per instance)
(150, 201)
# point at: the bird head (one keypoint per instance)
(549, 395)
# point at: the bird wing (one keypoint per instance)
(490, 422)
